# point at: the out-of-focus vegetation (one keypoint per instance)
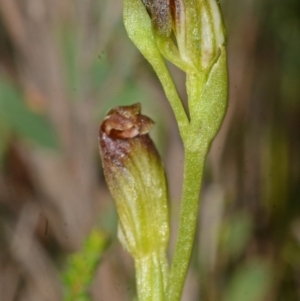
(81, 266)
(62, 65)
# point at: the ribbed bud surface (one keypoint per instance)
(135, 177)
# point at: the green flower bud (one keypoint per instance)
(189, 33)
(135, 177)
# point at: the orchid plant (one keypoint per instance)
(190, 34)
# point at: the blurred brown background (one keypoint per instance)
(62, 65)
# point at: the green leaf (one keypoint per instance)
(70, 51)
(21, 120)
(99, 70)
(5, 136)
(237, 232)
(81, 267)
(251, 282)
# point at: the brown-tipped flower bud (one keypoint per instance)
(196, 27)
(135, 177)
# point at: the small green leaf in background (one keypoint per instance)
(236, 235)
(19, 119)
(5, 136)
(100, 69)
(251, 282)
(81, 267)
(70, 48)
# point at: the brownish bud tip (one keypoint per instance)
(124, 130)
(160, 13)
(126, 122)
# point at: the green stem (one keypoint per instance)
(172, 95)
(193, 169)
(151, 277)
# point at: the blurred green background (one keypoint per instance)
(63, 64)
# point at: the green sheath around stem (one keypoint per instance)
(151, 274)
